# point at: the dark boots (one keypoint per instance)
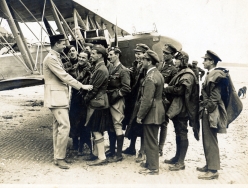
(131, 149)
(112, 141)
(74, 143)
(183, 150)
(174, 160)
(118, 156)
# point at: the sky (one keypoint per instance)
(200, 25)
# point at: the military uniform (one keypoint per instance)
(78, 109)
(134, 129)
(151, 111)
(56, 98)
(183, 94)
(211, 93)
(168, 70)
(220, 105)
(118, 88)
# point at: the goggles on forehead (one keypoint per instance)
(115, 49)
(166, 53)
(179, 56)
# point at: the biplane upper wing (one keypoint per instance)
(65, 7)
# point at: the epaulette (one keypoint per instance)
(222, 69)
(125, 68)
(52, 56)
(151, 76)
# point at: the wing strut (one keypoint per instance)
(48, 27)
(58, 23)
(64, 22)
(116, 35)
(92, 23)
(23, 38)
(12, 51)
(81, 22)
(16, 34)
(33, 16)
(97, 24)
(77, 28)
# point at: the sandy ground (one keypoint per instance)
(26, 153)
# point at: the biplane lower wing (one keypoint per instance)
(21, 82)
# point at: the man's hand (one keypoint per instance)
(139, 65)
(165, 85)
(87, 87)
(130, 69)
(138, 120)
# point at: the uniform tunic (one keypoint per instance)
(168, 70)
(97, 120)
(118, 88)
(152, 113)
(56, 97)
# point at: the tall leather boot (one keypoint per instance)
(174, 159)
(112, 141)
(183, 150)
(118, 156)
(131, 149)
(162, 138)
(74, 143)
(81, 146)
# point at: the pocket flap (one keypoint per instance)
(58, 87)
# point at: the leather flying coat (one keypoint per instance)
(189, 98)
(220, 99)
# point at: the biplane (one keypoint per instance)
(79, 24)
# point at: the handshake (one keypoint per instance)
(87, 87)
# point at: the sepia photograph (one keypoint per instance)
(123, 93)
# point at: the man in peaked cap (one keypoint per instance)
(168, 70)
(151, 112)
(56, 97)
(213, 107)
(183, 94)
(212, 56)
(141, 48)
(88, 46)
(134, 130)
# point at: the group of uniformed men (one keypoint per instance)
(140, 99)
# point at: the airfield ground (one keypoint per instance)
(26, 153)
